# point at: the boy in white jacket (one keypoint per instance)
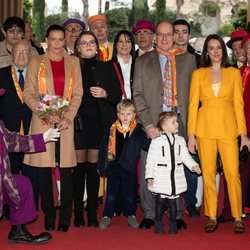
(165, 176)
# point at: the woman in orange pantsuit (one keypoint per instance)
(216, 124)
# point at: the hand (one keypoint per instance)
(150, 182)
(244, 141)
(152, 131)
(98, 92)
(196, 169)
(52, 119)
(63, 124)
(192, 144)
(51, 134)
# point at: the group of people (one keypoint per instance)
(130, 111)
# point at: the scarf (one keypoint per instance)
(112, 136)
(170, 85)
(104, 53)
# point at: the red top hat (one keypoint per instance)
(143, 24)
(2, 92)
(236, 35)
(244, 40)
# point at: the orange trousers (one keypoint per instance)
(228, 149)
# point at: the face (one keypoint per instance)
(165, 37)
(100, 29)
(87, 46)
(247, 50)
(55, 42)
(123, 45)
(14, 34)
(170, 125)
(126, 115)
(72, 31)
(238, 51)
(21, 55)
(28, 32)
(144, 39)
(214, 50)
(181, 35)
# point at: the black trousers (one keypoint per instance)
(47, 198)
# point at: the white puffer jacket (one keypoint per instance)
(166, 170)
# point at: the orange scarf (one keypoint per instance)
(112, 136)
(104, 53)
(172, 79)
(42, 81)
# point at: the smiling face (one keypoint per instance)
(238, 51)
(87, 46)
(124, 45)
(214, 50)
(164, 36)
(55, 42)
(144, 39)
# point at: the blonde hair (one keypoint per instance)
(125, 103)
(164, 116)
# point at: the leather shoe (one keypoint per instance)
(146, 223)
(239, 227)
(92, 221)
(192, 211)
(79, 222)
(223, 219)
(63, 228)
(49, 227)
(180, 223)
(211, 226)
(19, 234)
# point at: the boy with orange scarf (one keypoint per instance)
(118, 158)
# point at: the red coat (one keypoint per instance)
(245, 72)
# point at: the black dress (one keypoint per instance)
(97, 114)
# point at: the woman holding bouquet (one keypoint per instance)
(97, 112)
(54, 73)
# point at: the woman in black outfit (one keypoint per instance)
(97, 112)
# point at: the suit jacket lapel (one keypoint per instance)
(155, 63)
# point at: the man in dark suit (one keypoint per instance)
(151, 98)
(13, 111)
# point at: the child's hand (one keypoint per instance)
(196, 169)
(150, 182)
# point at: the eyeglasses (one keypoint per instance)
(73, 29)
(84, 44)
(14, 30)
(144, 33)
(21, 52)
(162, 35)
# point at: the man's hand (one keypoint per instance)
(152, 131)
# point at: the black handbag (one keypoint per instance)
(78, 124)
(243, 154)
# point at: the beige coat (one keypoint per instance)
(67, 153)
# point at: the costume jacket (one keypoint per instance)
(130, 153)
(13, 142)
(165, 164)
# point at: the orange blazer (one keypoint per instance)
(220, 117)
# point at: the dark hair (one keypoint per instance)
(182, 22)
(205, 60)
(84, 33)
(164, 116)
(128, 34)
(54, 27)
(13, 21)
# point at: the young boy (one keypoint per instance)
(122, 150)
(165, 171)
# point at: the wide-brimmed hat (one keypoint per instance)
(143, 24)
(236, 35)
(99, 17)
(245, 39)
(73, 20)
(2, 92)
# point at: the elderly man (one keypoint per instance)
(144, 34)
(13, 111)
(73, 27)
(14, 29)
(152, 78)
(98, 25)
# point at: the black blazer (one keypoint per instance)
(12, 111)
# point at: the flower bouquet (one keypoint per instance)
(51, 105)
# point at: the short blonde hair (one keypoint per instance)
(164, 116)
(125, 103)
